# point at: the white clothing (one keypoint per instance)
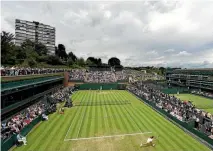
(22, 139)
(149, 140)
(197, 120)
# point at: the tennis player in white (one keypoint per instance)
(149, 142)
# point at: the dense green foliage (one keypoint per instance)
(32, 54)
(94, 61)
(107, 120)
(36, 54)
(114, 61)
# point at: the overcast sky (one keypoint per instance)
(177, 34)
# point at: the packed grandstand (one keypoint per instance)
(18, 119)
(106, 76)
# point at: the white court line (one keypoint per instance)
(110, 136)
(81, 122)
(71, 123)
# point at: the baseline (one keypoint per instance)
(109, 136)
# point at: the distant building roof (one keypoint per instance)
(195, 71)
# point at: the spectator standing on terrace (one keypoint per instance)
(197, 123)
(16, 71)
(21, 139)
(45, 117)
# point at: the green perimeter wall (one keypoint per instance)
(104, 86)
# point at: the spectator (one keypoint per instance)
(21, 139)
(17, 71)
(184, 111)
(45, 117)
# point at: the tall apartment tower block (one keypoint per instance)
(35, 31)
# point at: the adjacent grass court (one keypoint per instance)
(199, 101)
(110, 120)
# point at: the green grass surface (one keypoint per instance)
(108, 120)
(199, 101)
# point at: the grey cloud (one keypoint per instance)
(139, 33)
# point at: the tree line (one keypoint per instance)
(34, 54)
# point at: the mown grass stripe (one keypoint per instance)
(146, 121)
(63, 129)
(108, 127)
(155, 123)
(44, 134)
(113, 118)
(75, 121)
(172, 138)
(83, 117)
(56, 129)
(127, 124)
(128, 127)
(165, 128)
(141, 125)
(111, 121)
(171, 124)
(131, 124)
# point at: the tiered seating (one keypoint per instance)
(22, 83)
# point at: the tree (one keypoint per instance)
(89, 62)
(70, 62)
(114, 61)
(56, 51)
(6, 41)
(28, 43)
(162, 70)
(41, 49)
(94, 61)
(62, 52)
(7, 48)
(72, 56)
(80, 62)
(54, 60)
(21, 54)
(99, 61)
(31, 62)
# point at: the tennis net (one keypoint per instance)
(101, 102)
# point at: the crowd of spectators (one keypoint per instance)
(182, 110)
(100, 77)
(205, 94)
(141, 75)
(120, 75)
(97, 76)
(77, 74)
(17, 71)
(61, 94)
(17, 122)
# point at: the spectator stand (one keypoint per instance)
(21, 71)
(28, 118)
(183, 113)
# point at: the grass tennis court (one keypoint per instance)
(107, 126)
(199, 101)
